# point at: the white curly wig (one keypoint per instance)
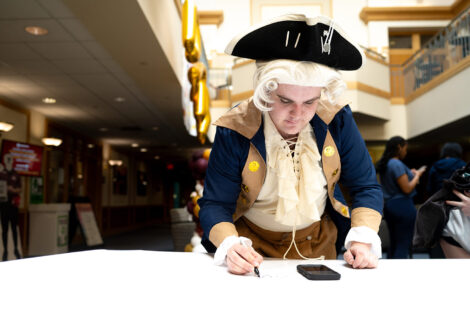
(270, 74)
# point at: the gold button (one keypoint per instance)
(329, 151)
(335, 172)
(253, 166)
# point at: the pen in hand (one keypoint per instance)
(257, 271)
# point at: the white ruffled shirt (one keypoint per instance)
(294, 191)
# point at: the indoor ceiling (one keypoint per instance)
(102, 63)
(108, 72)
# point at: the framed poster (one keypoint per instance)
(87, 220)
(27, 158)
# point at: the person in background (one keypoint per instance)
(455, 239)
(9, 209)
(398, 185)
(271, 185)
(450, 160)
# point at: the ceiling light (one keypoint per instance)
(143, 149)
(115, 162)
(49, 100)
(155, 128)
(103, 129)
(119, 99)
(6, 127)
(134, 145)
(36, 30)
(50, 141)
(90, 146)
(157, 157)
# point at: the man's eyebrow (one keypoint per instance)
(285, 98)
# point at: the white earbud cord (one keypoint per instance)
(294, 228)
(290, 142)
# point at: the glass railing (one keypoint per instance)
(443, 51)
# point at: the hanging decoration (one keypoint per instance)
(197, 73)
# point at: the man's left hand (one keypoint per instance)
(360, 256)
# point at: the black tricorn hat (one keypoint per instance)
(297, 37)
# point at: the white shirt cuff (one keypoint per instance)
(221, 253)
(364, 234)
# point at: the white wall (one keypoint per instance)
(369, 104)
(439, 106)
(236, 18)
(374, 74)
(396, 126)
(162, 17)
(346, 14)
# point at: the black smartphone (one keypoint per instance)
(318, 272)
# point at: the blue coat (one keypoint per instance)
(224, 185)
(442, 169)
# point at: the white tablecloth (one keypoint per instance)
(148, 281)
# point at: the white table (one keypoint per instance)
(148, 281)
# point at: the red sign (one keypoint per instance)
(26, 157)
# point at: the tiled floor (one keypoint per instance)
(156, 238)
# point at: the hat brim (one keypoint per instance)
(297, 37)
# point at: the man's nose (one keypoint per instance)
(296, 109)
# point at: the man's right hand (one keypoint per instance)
(242, 259)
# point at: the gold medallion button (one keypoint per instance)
(329, 151)
(253, 166)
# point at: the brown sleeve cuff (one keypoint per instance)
(221, 231)
(366, 217)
